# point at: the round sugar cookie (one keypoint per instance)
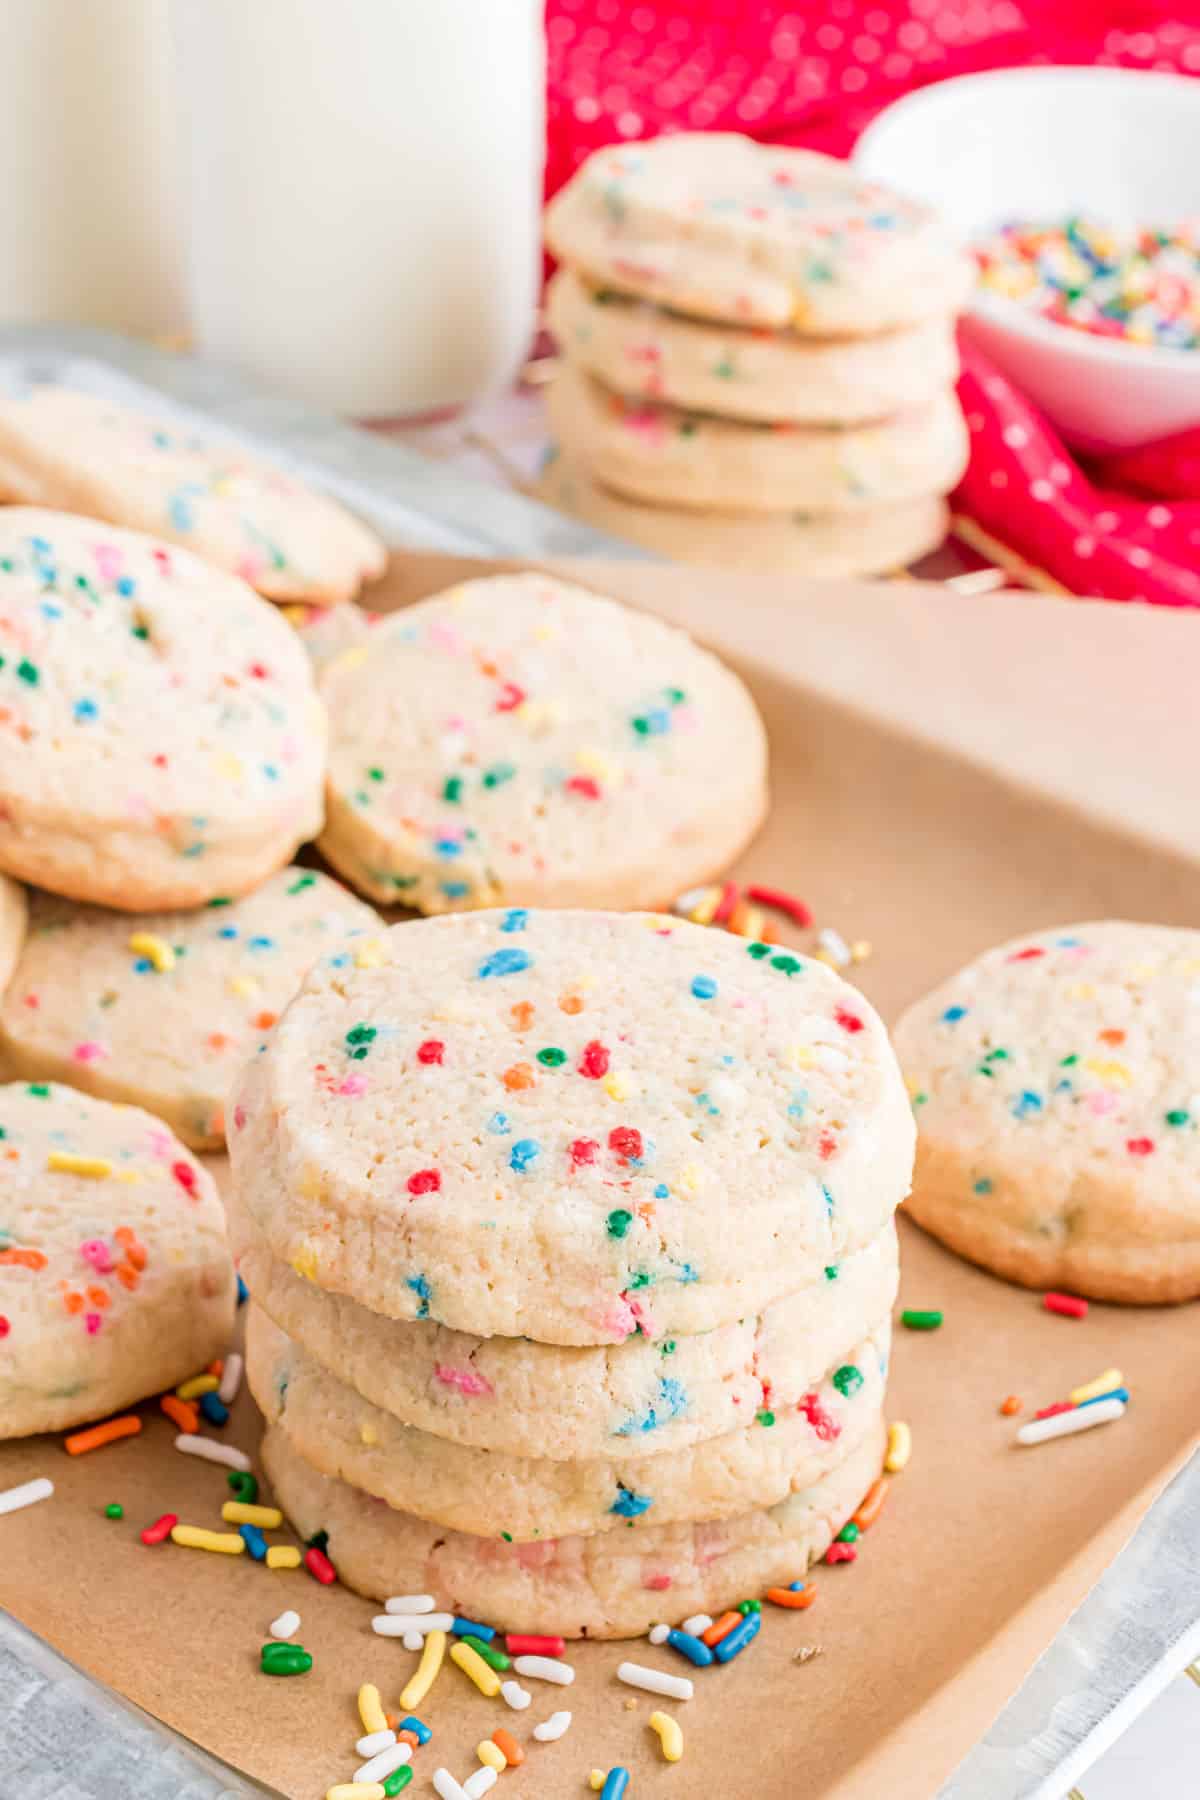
(115, 1276)
(14, 913)
(161, 742)
(86, 454)
(762, 376)
(571, 1126)
(714, 225)
(161, 1010)
(600, 1586)
(664, 457)
(491, 1492)
(874, 541)
(326, 631)
(519, 739)
(545, 1400)
(1056, 1084)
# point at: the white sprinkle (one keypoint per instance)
(686, 903)
(834, 945)
(399, 1624)
(1102, 1412)
(374, 1742)
(658, 1634)
(211, 1451)
(447, 1787)
(28, 1494)
(545, 1668)
(478, 1784)
(385, 1764)
(285, 1626)
(676, 1687)
(231, 1379)
(409, 1603)
(696, 1624)
(551, 1729)
(413, 1640)
(515, 1695)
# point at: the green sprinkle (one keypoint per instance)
(498, 774)
(114, 1510)
(765, 1418)
(618, 1222)
(749, 1606)
(758, 951)
(39, 1089)
(398, 1780)
(298, 886)
(787, 965)
(848, 1534)
(1068, 1062)
(847, 1380)
(921, 1321)
(551, 1057)
(375, 775)
(226, 900)
(1178, 1115)
(507, 1536)
(676, 696)
(28, 672)
(285, 1659)
(642, 1280)
(452, 789)
(244, 1486)
(140, 631)
(495, 1659)
(668, 1349)
(359, 1040)
(831, 1272)
(920, 1098)
(642, 726)
(996, 1056)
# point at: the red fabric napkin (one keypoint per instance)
(815, 73)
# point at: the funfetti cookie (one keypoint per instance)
(873, 541)
(1056, 1084)
(115, 1276)
(597, 1586)
(161, 742)
(14, 914)
(520, 739)
(86, 454)
(161, 1010)
(762, 376)
(622, 1401)
(665, 457)
(571, 1126)
(714, 225)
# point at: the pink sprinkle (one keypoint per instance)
(239, 1118)
(467, 1381)
(108, 561)
(641, 1316)
(88, 1051)
(93, 1322)
(1101, 1102)
(446, 637)
(96, 1252)
(618, 1318)
(353, 1085)
(249, 567)
(658, 1584)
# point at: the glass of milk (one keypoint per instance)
(362, 186)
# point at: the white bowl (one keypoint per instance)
(1117, 144)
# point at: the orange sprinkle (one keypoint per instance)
(23, 1259)
(736, 921)
(181, 1413)
(519, 1076)
(798, 1601)
(393, 1719)
(720, 1628)
(402, 1737)
(216, 1367)
(871, 1504)
(99, 1298)
(79, 1442)
(263, 1021)
(218, 1040)
(73, 1303)
(128, 1277)
(1011, 1406)
(514, 1756)
(135, 1253)
(572, 1004)
(1111, 1036)
(521, 1015)
(768, 934)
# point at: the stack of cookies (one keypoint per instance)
(570, 1239)
(758, 357)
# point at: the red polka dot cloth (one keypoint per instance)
(815, 74)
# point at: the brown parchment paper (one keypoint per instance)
(945, 773)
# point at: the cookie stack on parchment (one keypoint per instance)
(758, 357)
(570, 1239)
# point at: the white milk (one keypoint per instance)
(364, 187)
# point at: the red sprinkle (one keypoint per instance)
(1025, 955)
(511, 696)
(586, 786)
(185, 1175)
(593, 1060)
(425, 1181)
(161, 1529)
(1066, 1304)
(822, 1422)
(517, 1644)
(626, 1141)
(1050, 1412)
(789, 904)
(839, 1553)
(584, 1150)
(319, 1566)
(724, 909)
(5, 1327)
(847, 1020)
(431, 1051)
(1140, 1146)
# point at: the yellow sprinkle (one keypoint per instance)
(492, 1756)
(860, 949)
(305, 1262)
(825, 956)
(66, 1164)
(1111, 1073)
(192, 1537)
(295, 615)
(282, 1556)
(689, 1177)
(752, 922)
(702, 912)
(899, 1447)
(472, 1664)
(596, 1780)
(349, 659)
(370, 1708)
(593, 763)
(243, 986)
(129, 1176)
(368, 1434)
(619, 1085)
(669, 1735)
(240, 1512)
(371, 955)
(427, 1670)
(915, 1086)
(228, 765)
(199, 1384)
(159, 954)
(1111, 1378)
(1081, 990)
(800, 1056)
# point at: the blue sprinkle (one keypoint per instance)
(422, 1731)
(524, 1154)
(270, 771)
(694, 1648)
(671, 1401)
(504, 962)
(421, 1288)
(41, 545)
(468, 1628)
(86, 709)
(1119, 1393)
(228, 931)
(738, 1638)
(142, 965)
(797, 1103)
(51, 609)
(214, 1410)
(261, 943)
(254, 1540)
(661, 1190)
(953, 1014)
(983, 1185)
(243, 1292)
(629, 1505)
(516, 920)
(1026, 1103)
(126, 586)
(456, 890)
(828, 1202)
(657, 721)
(498, 1124)
(704, 987)
(448, 847)
(615, 1783)
(688, 1274)
(179, 513)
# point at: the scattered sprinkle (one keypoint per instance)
(28, 1493)
(1068, 1306)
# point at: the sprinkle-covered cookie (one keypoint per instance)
(13, 918)
(493, 1492)
(761, 376)
(571, 1126)
(665, 457)
(545, 1400)
(717, 226)
(591, 1586)
(115, 1277)
(1056, 1084)
(871, 542)
(86, 454)
(519, 739)
(161, 743)
(161, 1010)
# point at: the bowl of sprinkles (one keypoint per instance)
(1078, 191)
